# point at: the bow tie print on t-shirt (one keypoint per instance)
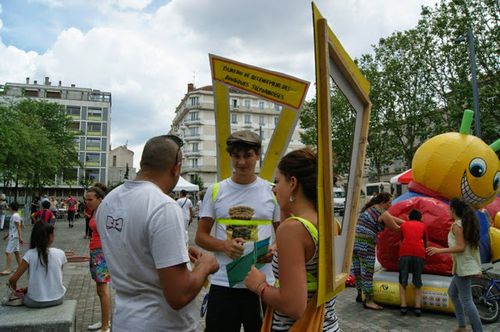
(112, 223)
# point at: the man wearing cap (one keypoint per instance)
(243, 210)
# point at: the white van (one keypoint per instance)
(338, 200)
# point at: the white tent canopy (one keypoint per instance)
(184, 184)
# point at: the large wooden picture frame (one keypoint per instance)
(332, 61)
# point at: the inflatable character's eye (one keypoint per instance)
(496, 181)
(477, 167)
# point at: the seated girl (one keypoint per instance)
(45, 286)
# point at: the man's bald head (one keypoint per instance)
(160, 153)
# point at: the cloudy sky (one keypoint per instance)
(145, 52)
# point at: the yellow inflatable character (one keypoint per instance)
(459, 165)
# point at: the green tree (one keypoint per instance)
(37, 143)
(199, 181)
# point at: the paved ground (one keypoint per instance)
(352, 316)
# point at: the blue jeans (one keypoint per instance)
(461, 296)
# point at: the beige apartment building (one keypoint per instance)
(195, 122)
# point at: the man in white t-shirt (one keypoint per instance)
(142, 235)
(243, 210)
(187, 208)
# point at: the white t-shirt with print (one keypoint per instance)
(45, 285)
(185, 204)
(15, 219)
(142, 230)
(259, 196)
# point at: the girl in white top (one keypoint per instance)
(45, 286)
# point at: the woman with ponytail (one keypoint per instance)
(44, 265)
(373, 218)
(463, 244)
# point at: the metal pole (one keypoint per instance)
(475, 93)
(260, 156)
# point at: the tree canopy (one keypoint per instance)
(36, 144)
(420, 85)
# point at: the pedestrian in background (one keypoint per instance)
(14, 238)
(463, 244)
(3, 208)
(71, 204)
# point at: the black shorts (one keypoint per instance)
(229, 308)
(71, 215)
(413, 265)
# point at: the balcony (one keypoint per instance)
(192, 153)
(93, 148)
(93, 133)
(91, 163)
(94, 117)
(189, 122)
(194, 137)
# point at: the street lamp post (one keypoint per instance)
(260, 155)
(473, 69)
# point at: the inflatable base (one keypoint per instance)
(434, 291)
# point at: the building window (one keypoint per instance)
(31, 93)
(93, 144)
(234, 118)
(114, 161)
(247, 103)
(92, 159)
(277, 107)
(54, 94)
(194, 131)
(248, 119)
(194, 147)
(93, 129)
(73, 111)
(94, 113)
(194, 162)
(193, 116)
(74, 126)
(276, 119)
(261, 120)
(234, 103)
(195, 101)
(261, 105)
(92, 174)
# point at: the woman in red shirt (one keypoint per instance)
(411, 258)
(98, 266)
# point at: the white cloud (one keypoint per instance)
(147, 59)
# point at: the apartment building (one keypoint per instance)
(195, 122)
(90, 110)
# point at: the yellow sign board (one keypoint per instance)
(269, 85)
(274, 86)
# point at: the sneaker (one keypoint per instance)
(93, 327)
(403, 310)
(418, 312)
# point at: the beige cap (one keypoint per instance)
(244, 136)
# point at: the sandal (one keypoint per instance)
(5, 273)
(417, 312)
(371, 307)
(403, 310)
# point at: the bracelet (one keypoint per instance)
(263, 289)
